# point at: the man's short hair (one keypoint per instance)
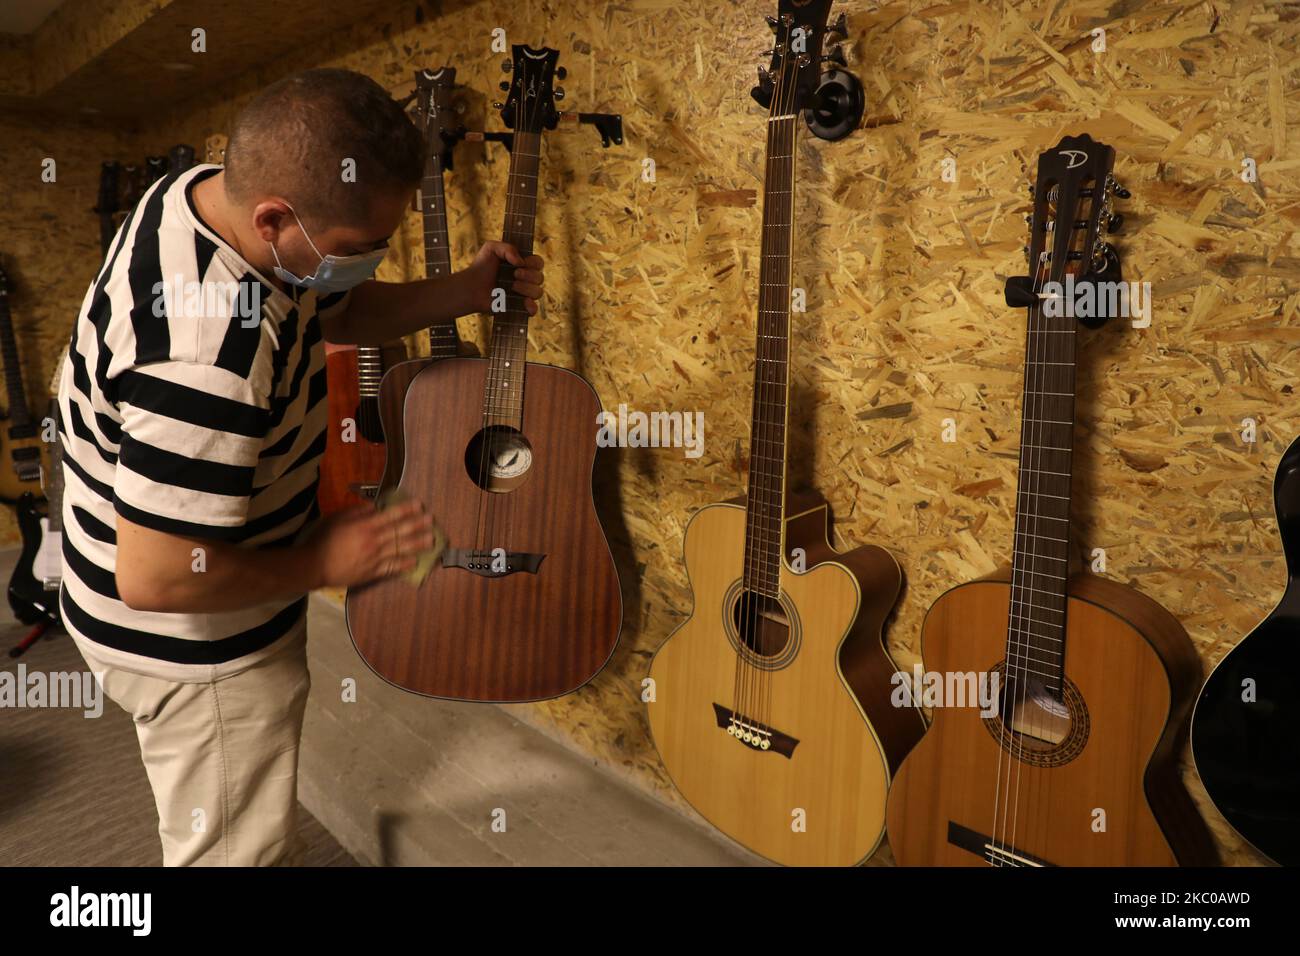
(293, 138)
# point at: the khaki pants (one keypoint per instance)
(222, 757)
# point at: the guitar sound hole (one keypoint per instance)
(762, 623)
(1038, 728)
(498, 458)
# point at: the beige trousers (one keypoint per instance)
(222, 757)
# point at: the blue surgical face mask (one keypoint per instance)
(335, 273)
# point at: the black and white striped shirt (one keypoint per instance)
(192, 401)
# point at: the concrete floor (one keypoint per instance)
(390, 779)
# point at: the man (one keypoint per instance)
(193, 417)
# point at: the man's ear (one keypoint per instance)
(271, 217)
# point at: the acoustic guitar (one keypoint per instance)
(434, 112)
(771, 703)
(1090, 682)
(1246, 726)
(524, 603)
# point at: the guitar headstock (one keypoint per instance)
(214, 149)
(1074, 196)
(530, 105)
(800, 31)
(435, 113)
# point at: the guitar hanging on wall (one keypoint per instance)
(1246, 726)
(525, 602)
(437, 117)
(34, 584)
(771, 707)
(21, 448)
(1076, 764)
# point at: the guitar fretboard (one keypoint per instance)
(437, 256)
(765, 511)
(508, 354)
(20, 419)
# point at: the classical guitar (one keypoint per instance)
(436, 116)
(1087, 683)
(21, 447)
(1246, 726)
(524, 603)
(771, 707)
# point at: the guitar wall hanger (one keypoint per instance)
(834, 108)
(1104, 265)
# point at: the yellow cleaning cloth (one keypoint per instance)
(428, 559)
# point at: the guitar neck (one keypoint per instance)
(508, 353)
(20, 418)
(370, 370)
(443, 339)
(765, 512)
(1040, 561)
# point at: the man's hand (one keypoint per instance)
(157, 571)
(481, 275)
(361, 544)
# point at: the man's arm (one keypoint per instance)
(379, 312)
(157, 571)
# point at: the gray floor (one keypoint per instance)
(390, 779)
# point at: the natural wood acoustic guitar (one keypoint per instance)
(1088, 682)
(771, 704)
(525, 602)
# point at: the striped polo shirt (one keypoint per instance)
(192, 401)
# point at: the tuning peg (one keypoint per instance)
(559, 92)
(764, 77)
(506, 66)
(504, 86)
(1115, 223)
(836, 56)
(771, 22)
(1121, 192)
(839, 28)
(561, 72)
(498, 106)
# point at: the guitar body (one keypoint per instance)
(1134, 670)
(349, 471)
(1247, 746)
(392, 406)
(33, 455)
(521, 636)
(832, 696)
(27, 595)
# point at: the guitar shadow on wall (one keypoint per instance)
(607, 487)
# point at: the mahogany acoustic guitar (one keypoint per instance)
(525, 603)
(1074, 764)
(433, 110)
(771, 707)
(1246, 727)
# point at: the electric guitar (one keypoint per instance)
(21, 448)
(524, 603)
(434, 112)
(34, 583)
(1246, 726)
(1090, 682)
(771, 707)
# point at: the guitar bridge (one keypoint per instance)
(751, 732)
(495, 563)
(995, 852)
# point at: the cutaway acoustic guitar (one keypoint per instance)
(771, 709)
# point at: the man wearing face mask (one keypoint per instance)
(193, 414)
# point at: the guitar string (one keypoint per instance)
(1014, 667)
(749, 617)
(769, 433)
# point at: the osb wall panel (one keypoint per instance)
(49, 243)
(651, 286)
